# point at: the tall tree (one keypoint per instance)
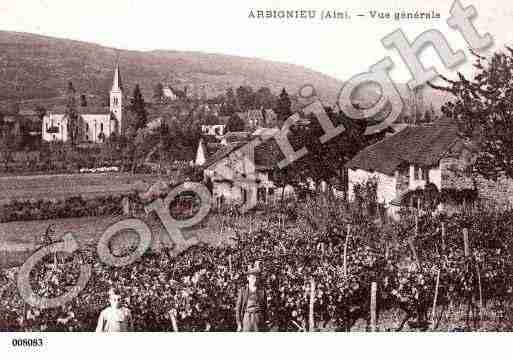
(138, 109)
(264, 98)
(246, 97)
(325, 161)
(283, 107)
(235, 124)
(482, 109)
(74, 128)
(229, 106)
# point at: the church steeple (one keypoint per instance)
(116, 99)
(116, 83)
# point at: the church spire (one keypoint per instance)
(116, 83)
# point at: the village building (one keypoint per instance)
(96, 123)
(242, 172)
(416, 156)
(215, 126)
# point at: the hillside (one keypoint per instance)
(39, 67)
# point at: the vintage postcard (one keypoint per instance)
(263, 166)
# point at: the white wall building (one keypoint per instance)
(95, 124)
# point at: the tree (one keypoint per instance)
(325, 161)
(482, 109)
(158, 92)
(246, 97)
(264, 98)
(74, 128)
(235, 124)
(138, 109)
(229, 106)
(283, 107)
(7, 148)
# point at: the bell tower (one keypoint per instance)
(116, 99)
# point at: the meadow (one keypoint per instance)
(61, 186)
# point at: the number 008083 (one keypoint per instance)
(27, 342)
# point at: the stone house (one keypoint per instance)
(242, 172)
(410, 159)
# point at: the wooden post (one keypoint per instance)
(311, 318)
(373, 316)
(466, 245)
(443, 236)
(345, 249)
(433, 312)
(480, 293)
(173, 320)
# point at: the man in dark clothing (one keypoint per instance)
(251, 308)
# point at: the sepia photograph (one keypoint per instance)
(262, 166)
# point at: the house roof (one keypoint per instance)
(267, 154)
(223, 152)
(421, 145)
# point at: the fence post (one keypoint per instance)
(443, 236)
(466, 245)
(480, 293)
(311, 318)
(173, 320)
(433, 312)
(345, 249)
(373, 316)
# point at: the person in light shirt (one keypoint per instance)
(114, 318)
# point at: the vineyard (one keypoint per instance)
(325, 267)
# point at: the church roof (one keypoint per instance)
(83, 110)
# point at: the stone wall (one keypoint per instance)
(498, 192)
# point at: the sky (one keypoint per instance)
(340, 48)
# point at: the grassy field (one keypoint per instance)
(18, 240)
(66, 185)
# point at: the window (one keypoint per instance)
(425, 174)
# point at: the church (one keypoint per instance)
(96, 124)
